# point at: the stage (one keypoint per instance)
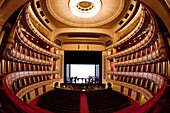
(82, 86)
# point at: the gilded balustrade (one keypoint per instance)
(23, 57)
(10, 78)
(149, 57)
(159, 80)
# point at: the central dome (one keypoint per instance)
(85, 8)
(85, 13)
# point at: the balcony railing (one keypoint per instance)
(17, 55)
(151, 76)
(153, 56)
(10, 78)
(18, 103)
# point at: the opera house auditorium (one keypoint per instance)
(84, 56)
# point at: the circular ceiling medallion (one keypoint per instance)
(85, 8)
(85, 13)
(85, 5)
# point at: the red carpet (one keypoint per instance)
(83, 104)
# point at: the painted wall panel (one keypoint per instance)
(116, 87)
(133, 95)
(40, 90)
(125, 91)
(49, 87)
(32, 95)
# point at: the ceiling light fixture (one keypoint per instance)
(85, 8)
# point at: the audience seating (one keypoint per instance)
(60, 101)
(106, 101)
(68, 101)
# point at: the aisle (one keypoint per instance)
(83, 104)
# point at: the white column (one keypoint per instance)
(25, 81)
(146, 83)
(168, 68)
(151, 86)
(132, 80)
(156, 89)
(1, 35)
(136, 81)
(141, 82)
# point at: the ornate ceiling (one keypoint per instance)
(101, 17)
(61, 10)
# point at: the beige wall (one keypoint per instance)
(82, 47)
(40, 90)
(161, 9)
(133, 95)
(7, 8)
(32, 95)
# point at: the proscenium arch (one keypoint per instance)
(106, 32)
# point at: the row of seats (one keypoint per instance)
(60, 101)
(25, 81)
(68, 101)
(106, 101)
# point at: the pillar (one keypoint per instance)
(151, 86)
(168, 68)
(20, 84)
(152, 68)
(131, 80)
(25, 81)
(141, 82)
(3, 66)
(146, 83)
(156, 89)
(30, 81)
